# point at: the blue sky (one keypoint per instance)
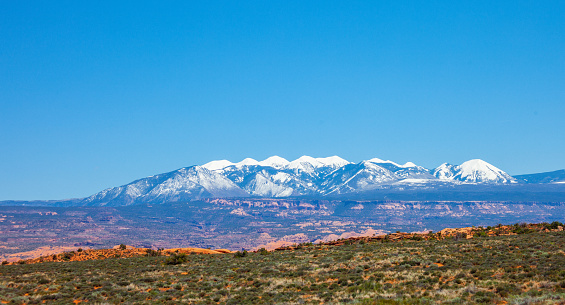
(97, 94)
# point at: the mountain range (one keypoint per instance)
(316, 178)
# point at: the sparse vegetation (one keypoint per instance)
(516, 269)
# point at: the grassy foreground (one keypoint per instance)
(527, 268)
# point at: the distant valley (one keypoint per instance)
(246, 223)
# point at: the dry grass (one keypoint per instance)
(514, 269)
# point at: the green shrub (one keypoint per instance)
(241, 254)
(176, 259)
(68, 255)
(480, 234)
(43, 281)
(521, 230)
(459, 236)
(151, 252)
(554, 225)
(506, 289)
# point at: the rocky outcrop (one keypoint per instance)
(447, 233)
(116, 252)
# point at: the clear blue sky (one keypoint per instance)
(98, 94)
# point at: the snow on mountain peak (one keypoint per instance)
(444, 171)
(333, 161)
(477, 164)
(477, 170)
(304, 163)
(277, 177)
(247, 162)
(377, 160)
(308, 163)
(274, 161)
(473, 171)
(279, 162)
(305, 159)
(217, 165)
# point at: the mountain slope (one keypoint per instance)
(184, 184)
(316, 166)
(473, 171)
(357, 177)
(548, 177)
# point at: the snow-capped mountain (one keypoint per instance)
(407, 171)
(445, 171)
(275, 162)
(184, 184)
(305, 176)
(473, 171)
(315, 165)
(357, 177)
(217, 165)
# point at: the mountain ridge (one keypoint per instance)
(276, 177)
